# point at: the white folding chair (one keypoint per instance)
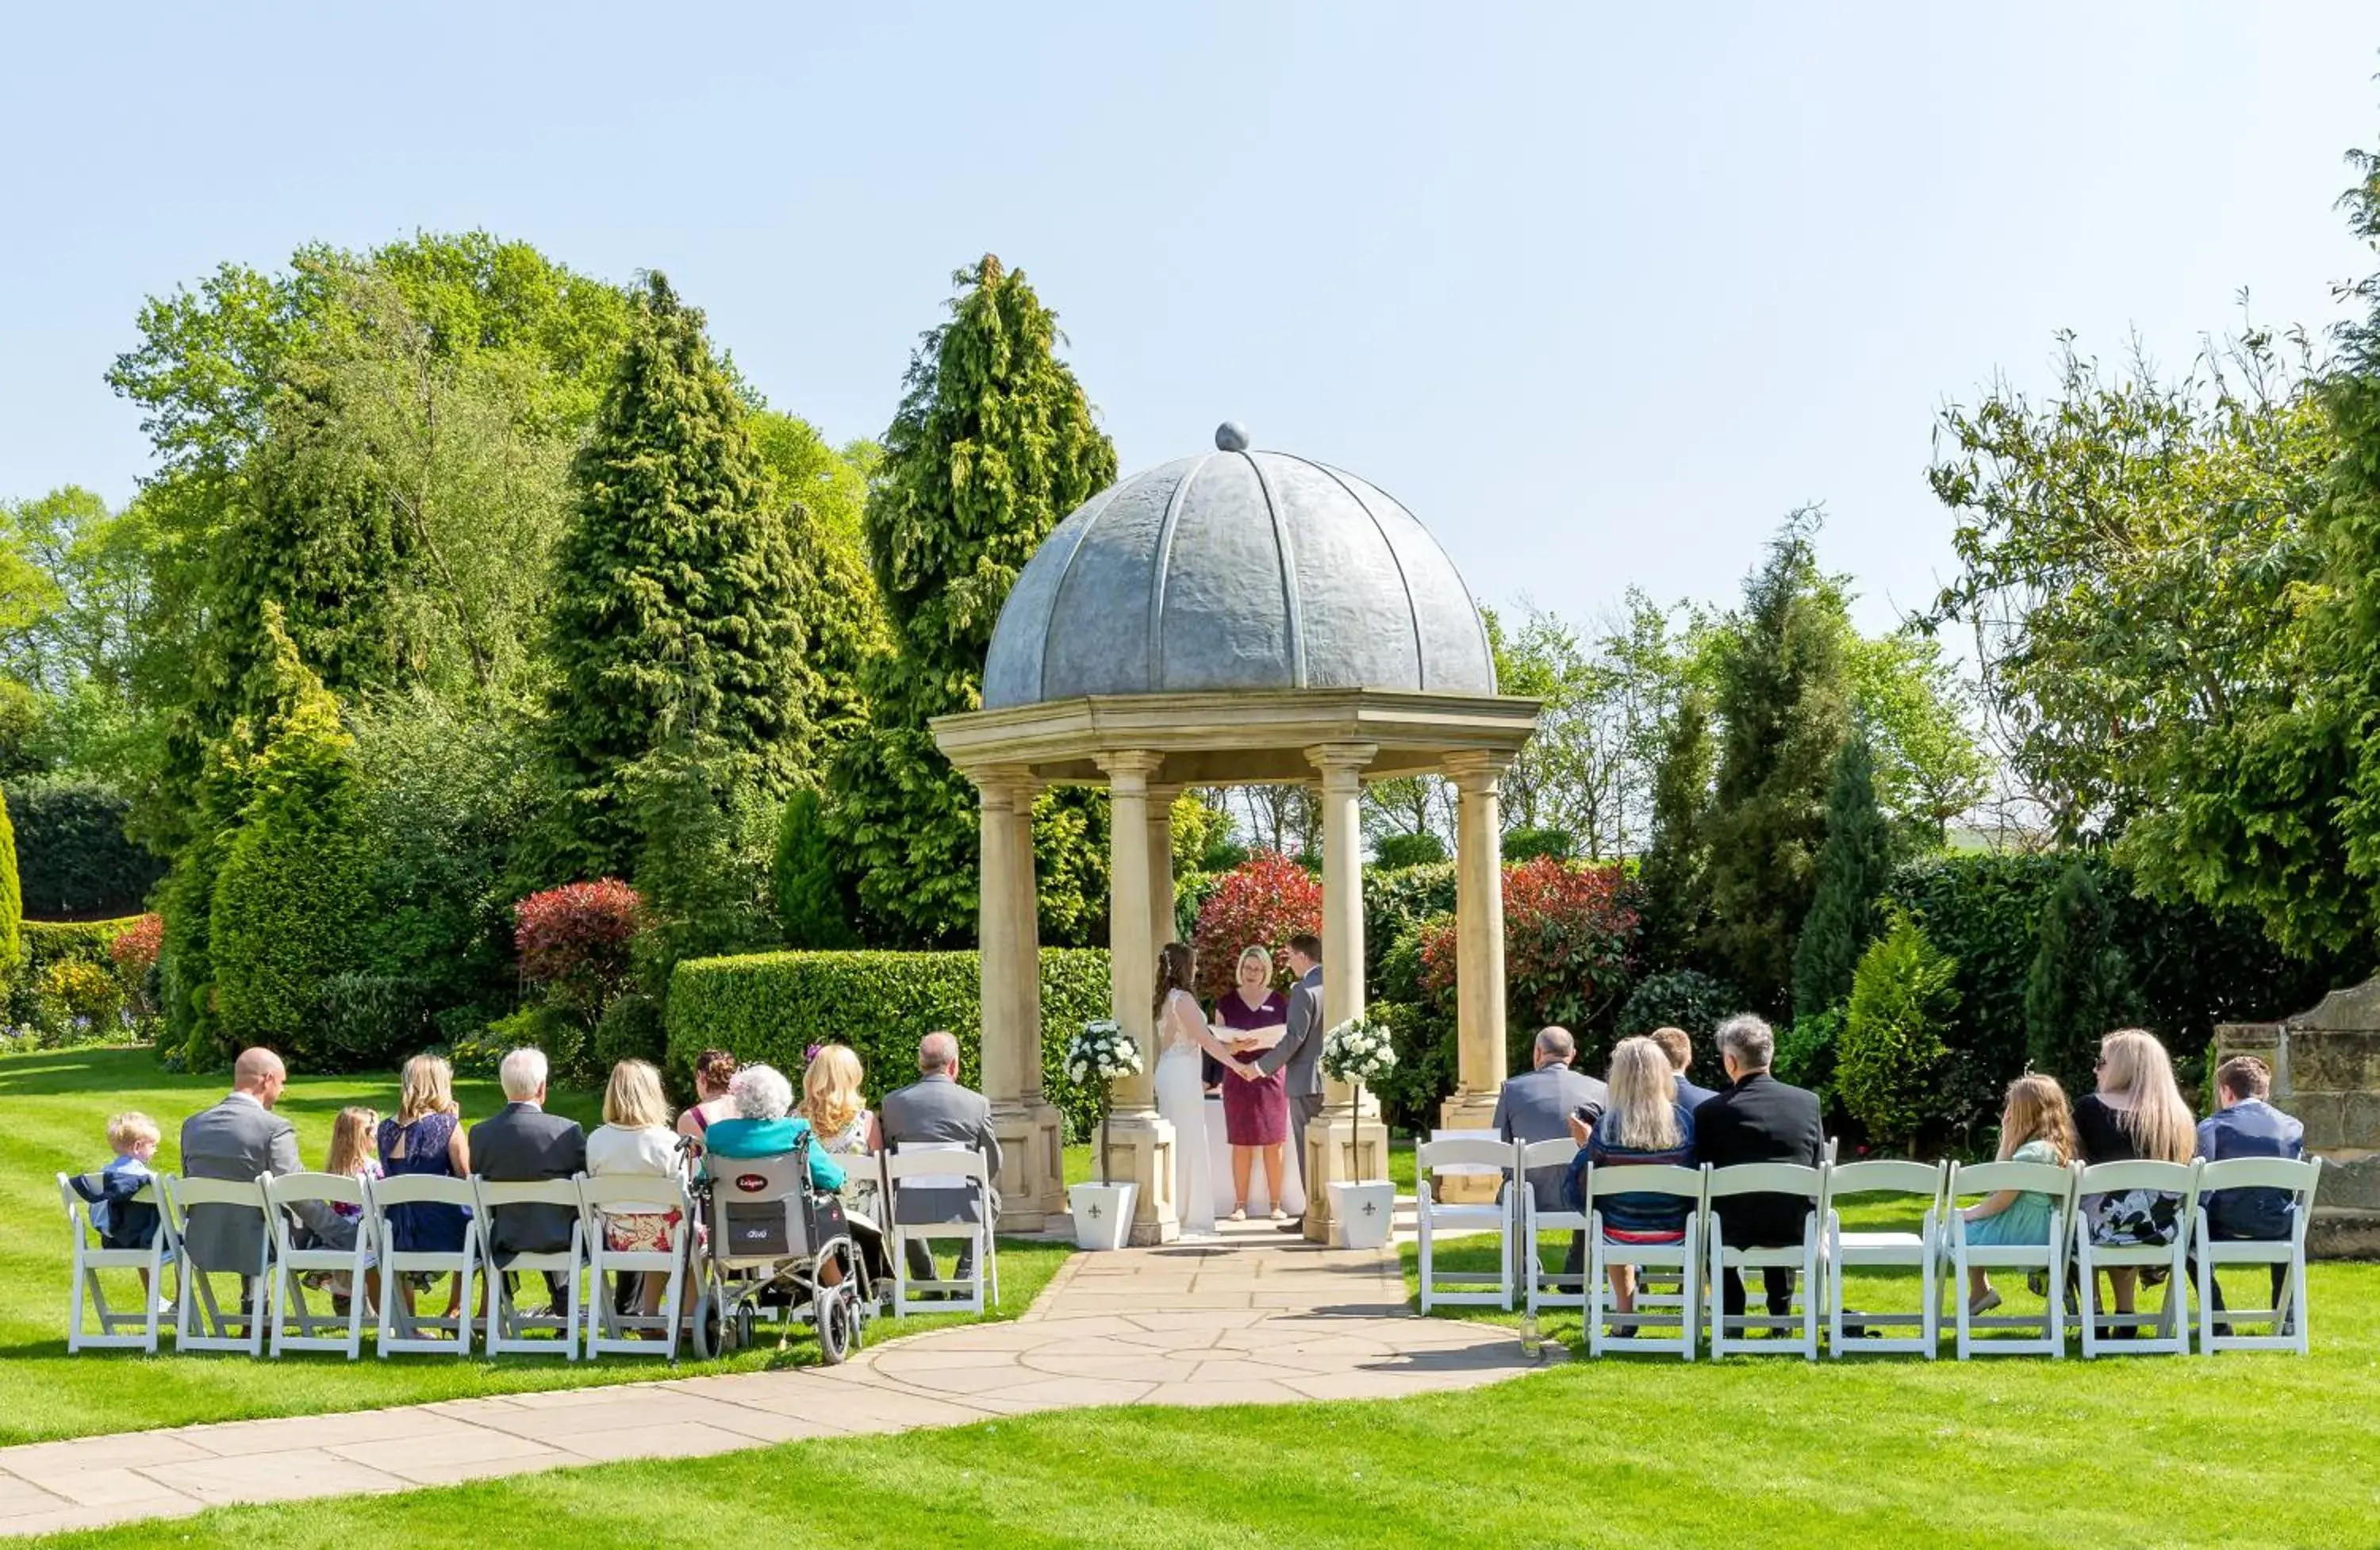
(1539, 1287)
(2170, 1324)
(287, 1195)
(509, 1328)
(1732, 1182)
(2295, 1178)
(1681, 1259)
(1918, 1251)
(608, 1330)
(400, 1327)
(942, 1165)
(195, 1299)
(1462, 1157)
(1978, 1180)
(90, 1258)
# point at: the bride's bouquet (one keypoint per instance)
(1357, 1051)
(1099, 1054)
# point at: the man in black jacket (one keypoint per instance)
(521, 1144)
(1759, 1119)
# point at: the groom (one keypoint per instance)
(1300, 1049)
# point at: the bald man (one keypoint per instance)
(236, 1140)
(935, 1107)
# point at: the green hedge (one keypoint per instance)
(773, 1006)
(72, 854)
(48, 942)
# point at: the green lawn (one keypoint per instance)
(53, 1107)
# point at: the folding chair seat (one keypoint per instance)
(2048, 1259)
(195, 1300)
(139, 1329)
(607, 1329)
(1743, 1179)
(915, 1165)
(2170, 1324)
(313, 1196)
(400, 1327)
(1919, 1250)
(2297, 1178)
(1541, 1287)
(1681, 1259)
(1464, 1157)
(508, 1329)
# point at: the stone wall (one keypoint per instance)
(2326, 1071)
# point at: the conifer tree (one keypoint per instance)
(994, 444)
(1673, 878)
(1854, 868)
(2080, 987)
(674, 602)
(12, 900)
(1784, 706)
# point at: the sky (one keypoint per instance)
(1600, 294)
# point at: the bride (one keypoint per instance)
(1181, 1035)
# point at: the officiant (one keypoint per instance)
(1255, 1108)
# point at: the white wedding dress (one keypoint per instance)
(1181, 1100)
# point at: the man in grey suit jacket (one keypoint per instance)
(236, 1140)
(936, 1108)
(521, 1144)
(1536, 1106)
(1300, 1050)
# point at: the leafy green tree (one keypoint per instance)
(826, 491)
(993, 444)
(814, 903)
(1784, 709)
(1673, 878)
(1904, 996)
(1854, 869)
(12, 901)
(673, 612)
(2080, 987)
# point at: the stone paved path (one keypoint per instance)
(1255, 1319)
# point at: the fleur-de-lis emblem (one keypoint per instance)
(1095, 1212)
(1371, 1208)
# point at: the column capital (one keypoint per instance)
(1478, 768)
(1129, 768)
(1342, 764)
(1015, 784)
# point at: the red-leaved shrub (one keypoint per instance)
(136, 946)
(573, 941)
(1261, 903)
(1568, 929)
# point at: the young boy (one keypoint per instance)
(123, 1222)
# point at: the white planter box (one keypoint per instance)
(1362, 1213)
(1102, 1213)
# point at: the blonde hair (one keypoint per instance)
(2036, 1110)
(2139, 1074)
(1644, 1095)
(632, 1099)
(130, 1129)
(352, 1144)
(1261, 954)
(831, 1096)
(429, 1089)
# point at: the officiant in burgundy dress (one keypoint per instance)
(1255, 1109)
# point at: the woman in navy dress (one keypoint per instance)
(1256, 1114)
(426, 1137)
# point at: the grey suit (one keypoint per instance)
(521, 1144)
(1535, 1106)
(1300, 1053)
(936, 1108)
(235, 1140)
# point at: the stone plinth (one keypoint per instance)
(2326, 1067)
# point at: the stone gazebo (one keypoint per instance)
(1236, 617)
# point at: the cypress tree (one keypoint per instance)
(2080, 987)
(814, 908)
(12, 900)
(1785, 707)
(1673, 878)
(674, 610)
(994, 444)
(1853, 869)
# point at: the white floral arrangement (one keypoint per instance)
(1101, 1053)
(1357, 1051)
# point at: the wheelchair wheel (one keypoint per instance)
(708, 1332)
(837, 1323)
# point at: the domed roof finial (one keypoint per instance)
(1230, 436)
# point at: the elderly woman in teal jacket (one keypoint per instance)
(765, 1125)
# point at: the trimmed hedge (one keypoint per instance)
(773, 1006)
(72, 855)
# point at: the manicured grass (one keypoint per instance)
(2263, 1449)
(53, 1109)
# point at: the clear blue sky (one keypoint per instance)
(1598, 294)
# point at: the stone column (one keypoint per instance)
(1479, 950)
(1162, 927)
(1029, 1128)
(1341, 1145)
(1141, 1140)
